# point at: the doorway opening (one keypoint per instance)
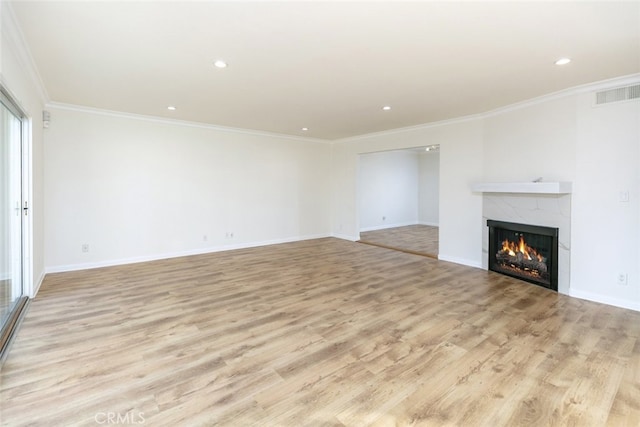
(398, 199)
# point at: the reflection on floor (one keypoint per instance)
(415, 239)
(5, 300)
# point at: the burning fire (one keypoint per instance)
(527, 251)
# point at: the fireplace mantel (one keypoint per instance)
(557, 187)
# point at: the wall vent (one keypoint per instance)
(618, 94)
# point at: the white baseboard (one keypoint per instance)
(346, 237)
(456, 260)
(385, 226)
(156, 257)
(590, 296)
(36, 285)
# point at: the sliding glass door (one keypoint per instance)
(11, 210)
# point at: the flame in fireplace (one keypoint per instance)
(513, 248)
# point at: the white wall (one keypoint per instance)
(401, 186)
(607, 231)
(18, 76)
(460, 232)
(531, 142)
(136, 189)
(388, 189)
(429, 188)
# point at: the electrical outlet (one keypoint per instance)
(229, 235)
(384, 218)
(205, 238)
(623, 196)
(622, 279)
(85, 247)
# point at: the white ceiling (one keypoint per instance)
(328, 66)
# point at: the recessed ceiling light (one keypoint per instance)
(220, 63)
(305, 129)
(563, 61)
(386, 108)
(171, 108)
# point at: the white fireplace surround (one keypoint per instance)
(536, 203)
(557, 187)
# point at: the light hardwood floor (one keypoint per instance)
(418, 239)
(317, 333)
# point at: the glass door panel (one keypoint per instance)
(11, 286)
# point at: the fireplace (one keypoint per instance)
(523, 251)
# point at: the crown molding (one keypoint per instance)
(177, 122)
(575, 90)
(12, 33)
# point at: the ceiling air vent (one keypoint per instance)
(618, 94)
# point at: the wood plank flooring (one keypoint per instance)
(417, 239)
(317, 333)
